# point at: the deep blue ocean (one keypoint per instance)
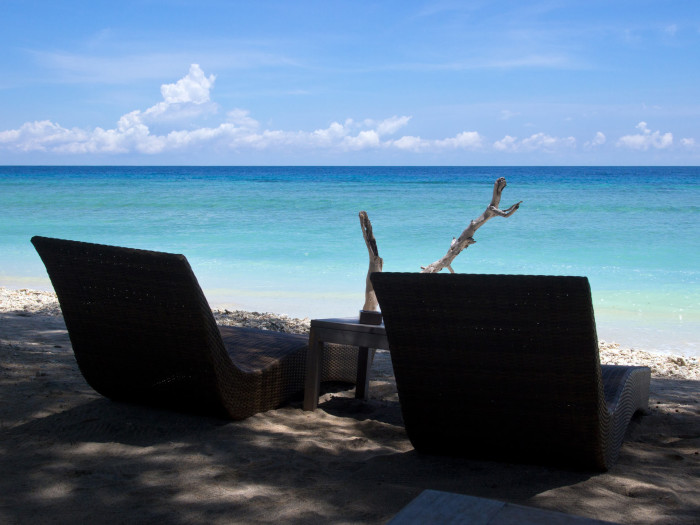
(288, 239)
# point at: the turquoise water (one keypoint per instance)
(288, 239)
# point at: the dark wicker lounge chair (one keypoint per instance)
(142, 332)
(506, 367)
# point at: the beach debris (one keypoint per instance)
(263, 321)
(661, 364)
(26, 302)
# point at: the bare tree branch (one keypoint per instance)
(375, 262)
(467, 236)
(456, 246)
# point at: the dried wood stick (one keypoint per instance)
(467, 236)
(375, 262)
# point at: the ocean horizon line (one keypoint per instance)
(160, 165)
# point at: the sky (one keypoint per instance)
(209, 82)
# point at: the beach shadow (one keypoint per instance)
(73, 456)
(103, 421)
(129, 458)
(372, 409)
(124, 459)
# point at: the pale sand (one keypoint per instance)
(69, 455)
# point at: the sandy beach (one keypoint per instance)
(68, 455)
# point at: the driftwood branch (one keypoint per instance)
(467, 236)
(375, 262)
(463, 241)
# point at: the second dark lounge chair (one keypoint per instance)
(506, 367)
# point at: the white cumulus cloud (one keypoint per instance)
(463, 140)
(535, 142)
(174, 118)
(364, 139)
(598, 140)
(646, 139)
(542, 141)
(241, 117)
(185, 120)
(40, 136)
(410, 143)
(466, 140)
(192, 88)
(506, 143)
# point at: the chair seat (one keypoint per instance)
(252, 350)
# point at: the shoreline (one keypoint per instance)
(663, 334)
(662, 364)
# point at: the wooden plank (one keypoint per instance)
(433, 506)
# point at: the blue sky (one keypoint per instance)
(350, 82)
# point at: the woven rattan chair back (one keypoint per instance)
(498, 366)
(142, 330)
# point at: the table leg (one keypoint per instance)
(312, 386)
(364, 364)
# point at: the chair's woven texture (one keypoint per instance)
(142, 331)
(339, 363)
(506, 367)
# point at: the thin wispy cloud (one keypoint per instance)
(671, 29)
(119, 67)
(507, 114)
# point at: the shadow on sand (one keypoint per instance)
(68, 455)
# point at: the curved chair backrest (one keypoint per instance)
(140, 326)
(496, 365)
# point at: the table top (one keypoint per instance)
(348, 323)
